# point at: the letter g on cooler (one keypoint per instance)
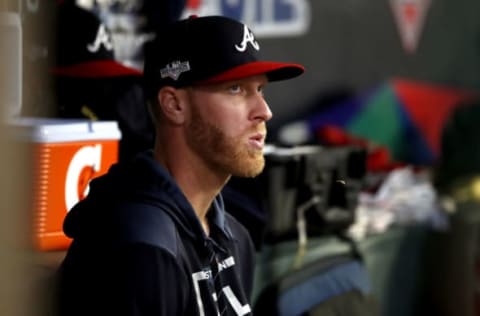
(85, 163)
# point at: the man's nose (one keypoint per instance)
(262, 110)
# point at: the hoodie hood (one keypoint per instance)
(130, 187)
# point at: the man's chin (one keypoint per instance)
(251, 168)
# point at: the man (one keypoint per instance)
(89, 83)
(152, 237)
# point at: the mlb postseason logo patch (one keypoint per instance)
(175, 69)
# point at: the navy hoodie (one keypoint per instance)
(139, 249)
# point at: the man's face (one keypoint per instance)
(227, 125)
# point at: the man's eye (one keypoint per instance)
(261, 90)
(235, 88)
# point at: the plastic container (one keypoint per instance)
(67, 154)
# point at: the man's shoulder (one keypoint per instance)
(147, 224)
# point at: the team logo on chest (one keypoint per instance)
(209, 299)
(248, 38)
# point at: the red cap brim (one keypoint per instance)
(275, 71)
(96, 69)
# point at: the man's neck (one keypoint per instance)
(199, 184)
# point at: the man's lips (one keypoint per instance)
(257, 140)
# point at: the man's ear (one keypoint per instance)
(171, 104)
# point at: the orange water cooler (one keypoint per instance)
(66, 155)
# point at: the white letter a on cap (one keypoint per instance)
(101, 38)
(247, 38)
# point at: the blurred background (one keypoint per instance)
(388, 105)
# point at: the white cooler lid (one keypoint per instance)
(51, 130)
